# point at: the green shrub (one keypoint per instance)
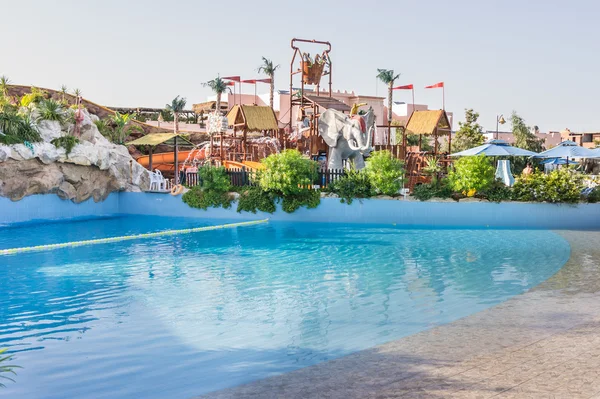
(594, 195)
(384, 173)
(354, 184)
(471, 174)
(427, 191)
(17, 129)
(214, 178)
(196, 197)
(51, 110)
(561, 185)
(34, 97)
(66, 142)
(287, 173)
(497, 192)
(253, 199)
(308, 198)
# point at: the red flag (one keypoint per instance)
(253, 81)
(234, 78)
(435, 86)
(407, 87)
(264, 80)
(230, 83)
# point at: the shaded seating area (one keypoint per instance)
(248, 119)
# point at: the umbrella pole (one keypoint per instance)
(150, 159)
(175, 153)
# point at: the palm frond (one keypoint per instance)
(217, 85)
(177, 104)
(268, 68)
(387, 75)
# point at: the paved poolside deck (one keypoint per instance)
(542, 344)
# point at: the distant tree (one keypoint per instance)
(387, 76)
(524, 137)
(218, 86)
(412, 140)
(4, 83)
(269, 69)
(469, 134)
(177, 105)
(63, 93)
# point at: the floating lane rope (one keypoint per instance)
(127, 238)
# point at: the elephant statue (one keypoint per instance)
(348, 137)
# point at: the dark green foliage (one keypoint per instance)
(561, 185)
(50, 110)
(66, 142)
(253, 199)
(16, 129)
(497, 192)
(354, 184)
(214, 178)
(424, 192)
(524, 138)
(469, 134)
(471, 174)
(204, 199)
(308, 198)
(594, 195)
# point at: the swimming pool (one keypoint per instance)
(179, 316)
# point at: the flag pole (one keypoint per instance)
(413, 98)
(444, 97)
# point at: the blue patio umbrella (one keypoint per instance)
(557, 161)
(568, 149)
(495, 148)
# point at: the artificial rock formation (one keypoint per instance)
(93, 169)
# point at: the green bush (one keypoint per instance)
(214, 178)
(204, 199)
(471, 174)
(309, 198)
(253, 199)
(354, 184)
(594, 195)
(17, 129)
(384, 173)
(561, 185)
(34, 97)
(427, 191)
(66, 142)
(497, 192)
(50, 110)
(287, 173)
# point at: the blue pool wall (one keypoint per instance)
(50, 207)
(410, 213)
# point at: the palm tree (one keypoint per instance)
(219, 86)
(176, 106)
(387, 76)
(63, 92)
(269, 69)
(4, 82)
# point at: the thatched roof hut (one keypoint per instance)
(252, 118)
(209, 106)
(428, 122)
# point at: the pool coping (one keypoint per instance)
(542, 343)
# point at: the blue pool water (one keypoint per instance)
(179, 316)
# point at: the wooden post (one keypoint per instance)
(150, 159)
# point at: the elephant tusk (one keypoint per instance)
(352, 146)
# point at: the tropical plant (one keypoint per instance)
(177, 105)
(77, 93)
(218, 86)
(471, 174)
(497, 192)
(385, 173)
(560, 185)
(68, 142)
(287, 173)
(432, 167)
(103, 126)
(524, 138)
(308, 198)
(387, 77)
(594, 195)
(426, 191)
(269, 69)
(4, 83)
(354, 184)
(34, 97)
(6, 368)
(63, 94)
(121, 127)
(51, 110)
(212, 191)
(469, 134)
(17, 129)
(214, 178)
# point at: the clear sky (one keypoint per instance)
(538, 57)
